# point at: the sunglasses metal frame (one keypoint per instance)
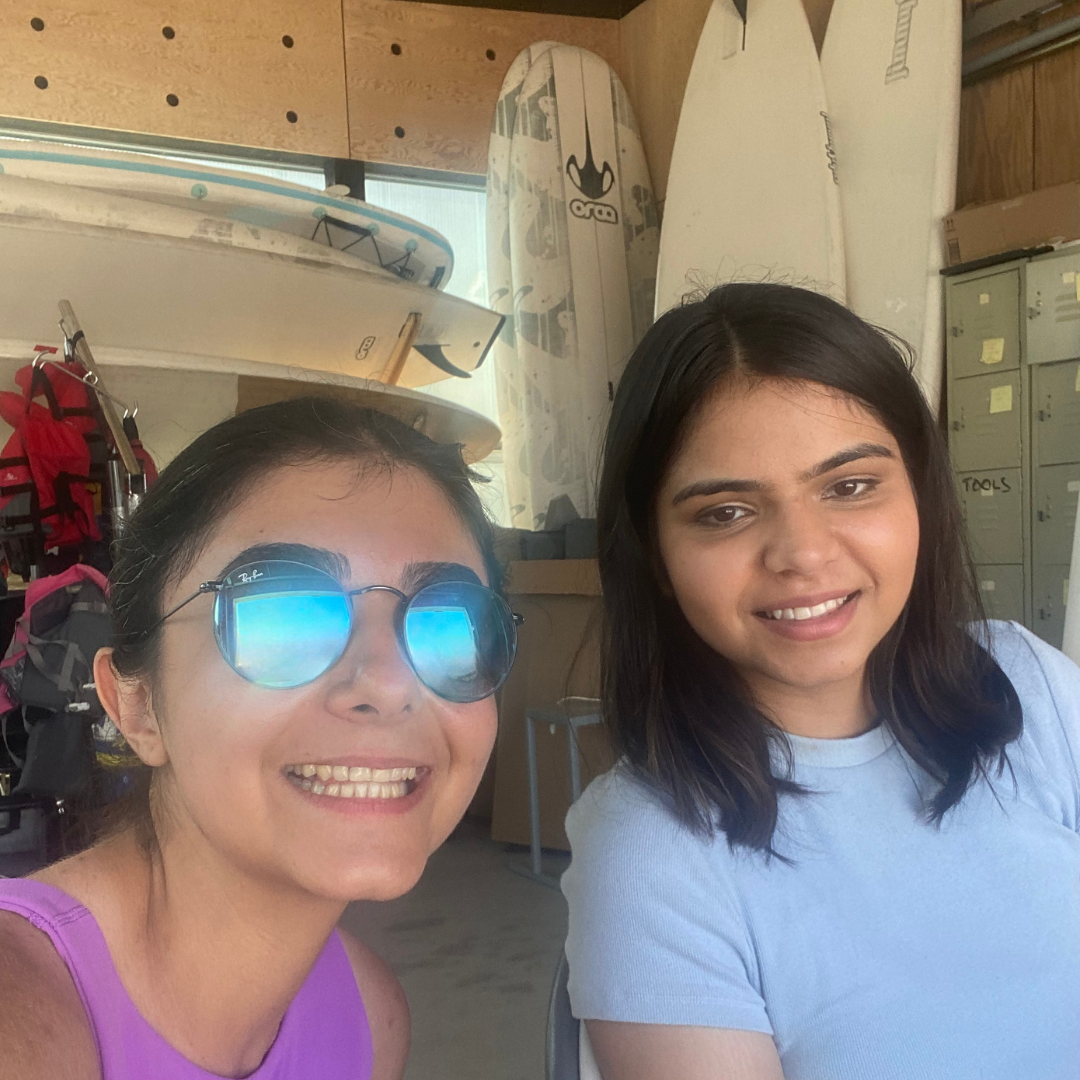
(217, 586)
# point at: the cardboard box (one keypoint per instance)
(1048, 216)
(558, 656)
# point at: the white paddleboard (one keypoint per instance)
(161, 278)
(367, 233)
(892, 78)
(180, 396)
(752, 193)
(583, 242)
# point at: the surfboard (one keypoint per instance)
(583, 241)
(160, 278)
(179, 396)
(509, 377)
(892, 79)
(752, 193)
(368, 233)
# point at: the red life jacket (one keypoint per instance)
(45, 466)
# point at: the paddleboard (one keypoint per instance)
(180, 396)
(166, 279)
(892, 79)
(583, 240)
(752, 193)
(367, 233)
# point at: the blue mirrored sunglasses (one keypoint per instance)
(282, 624)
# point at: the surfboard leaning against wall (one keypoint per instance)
(892, 78)
(753, 191)
(581, 240)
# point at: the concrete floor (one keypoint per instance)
(475, 946)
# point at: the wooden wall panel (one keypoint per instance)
(235, 82)
(1057, 118)
(997, 123)
(430, 103)
(658, 40)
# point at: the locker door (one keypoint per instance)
(994, 511)
(1002, 591)
(1057, 488)
(1050, 594)
(984, 330)
(1056, 412)
(1053, 297)
(984, 432)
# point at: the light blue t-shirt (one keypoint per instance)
(892, 949)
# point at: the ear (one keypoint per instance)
(127, 701)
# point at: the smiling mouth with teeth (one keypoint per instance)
(356, 782)
(800, 614)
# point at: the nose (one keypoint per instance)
(801, 541)
(373, 679)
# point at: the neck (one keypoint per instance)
(211, 956)
(838, 710)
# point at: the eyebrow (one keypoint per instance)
(726, 484)
(417, 575)
(330, 562)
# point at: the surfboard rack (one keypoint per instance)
(75, 344)
(434, 354)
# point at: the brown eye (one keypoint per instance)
(724, 515)
(850, 489)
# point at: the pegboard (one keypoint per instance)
(259, 73)
(423, 79)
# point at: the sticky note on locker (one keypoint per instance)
(1001, 398)
(993, 350)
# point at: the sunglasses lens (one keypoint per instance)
(461, 640)
(282, 624)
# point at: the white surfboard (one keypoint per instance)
(583, 240)
(892, 78)
(509, 378)
(161, 278)
(752, 193)
(368, 233)
(180, 396)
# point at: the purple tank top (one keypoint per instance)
(323, 1036)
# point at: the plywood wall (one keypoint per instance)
(423, 79)
(263, 73)
(1020, 129)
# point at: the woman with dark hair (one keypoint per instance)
(308, 634)
(841, 841)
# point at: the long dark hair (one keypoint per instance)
(181, 512)
(678, 712)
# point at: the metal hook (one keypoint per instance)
(89, 379)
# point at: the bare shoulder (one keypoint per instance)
(386, 1006)
(44, 1030)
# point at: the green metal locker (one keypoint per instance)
(993, 504)
(1002, 591)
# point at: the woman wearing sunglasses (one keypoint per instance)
(842, 842)
(308, 637)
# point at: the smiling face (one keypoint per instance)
(789, 532)
(250, 769)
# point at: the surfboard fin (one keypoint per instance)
(740, 7)
(434, 354)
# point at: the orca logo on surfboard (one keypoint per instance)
(594, 184)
